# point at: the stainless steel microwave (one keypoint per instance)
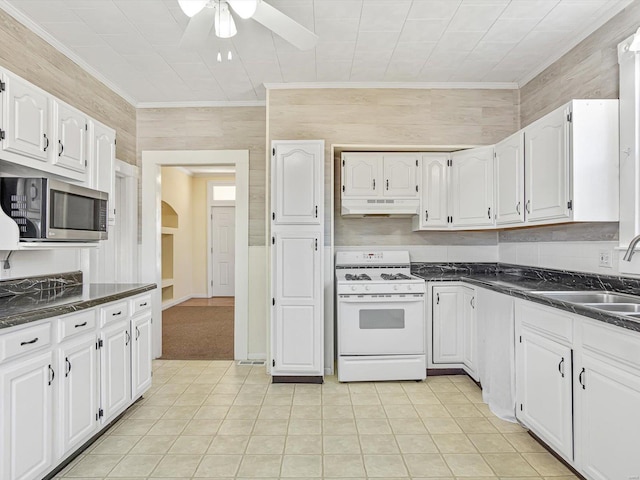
(50, 210)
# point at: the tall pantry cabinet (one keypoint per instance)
(297, 230)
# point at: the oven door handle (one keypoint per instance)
(372, 299)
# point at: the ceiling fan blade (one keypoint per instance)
(285, 27)
(198, 29)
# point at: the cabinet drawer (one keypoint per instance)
(141, 304)
(24, 341)
(550, 321)
(114, 312)
(612, 342)
(81, 322)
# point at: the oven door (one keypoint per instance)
(381, 325)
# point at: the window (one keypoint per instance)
(224, 193)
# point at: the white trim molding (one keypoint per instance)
(150, 259)
(202, 104)
(399, 85)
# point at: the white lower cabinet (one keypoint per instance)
(454, 328)
(115, 369)
(543, 379)
(26, 409)
(140, 354)
(78, 392)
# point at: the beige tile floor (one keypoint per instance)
(218, 420)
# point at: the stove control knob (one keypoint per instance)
(409, 287)
(395, 287)
(367, 287)
(353, 288)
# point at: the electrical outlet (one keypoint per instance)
(604, 259)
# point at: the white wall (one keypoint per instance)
(567, 255)
(438, 253)
(41, 262)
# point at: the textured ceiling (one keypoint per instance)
(133, 44)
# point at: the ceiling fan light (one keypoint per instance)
(244, 8)
(225, 26)
(192, 7)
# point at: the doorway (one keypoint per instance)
(152, 162)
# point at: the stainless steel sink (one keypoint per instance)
(591, 297)
(622, 308)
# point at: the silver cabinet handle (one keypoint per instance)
(561, 367)
(30, 342)
(528, 206)
(374, 183)
(83, 324)
(137, 333)
(387, 184)
(126, 342)
(518, 208)
(116, 314)
(473, 302)
(66, 374)
(426, 215)
(437, 299)
(47, 140)
(61, 148)
(580, 379)
(52, 375)
(143, 304)
(489, 213)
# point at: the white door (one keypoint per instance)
(297, 183)
(448, 344)
(78, 369)
(472, 187)
(509, 168)
(468, 297)
(140, 354)
(608, 399)
(26, 119)
(27, 417)
(400, 172)
(223, 251)
(361, 174)
(434, 211)
(544, 389)
(115, 369)
(72, 127)
(547, 167)
(297, 299)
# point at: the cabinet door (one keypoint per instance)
(448, 344)
(468, 297)
(400, 172)
(608, 420)
(297, 291)
(547, 167)
(544, 391)
(26, 119)
(434, 190)
(361, 175)
(509, 168)
(298, 183)
(472, 187)
(72, 127)
(27, 417)
(115, 369)
(103, 157)
(78, 367)
(141, 354)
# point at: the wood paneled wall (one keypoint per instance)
(589, 70)
(213, 129)
(392, 117)
(29, 56)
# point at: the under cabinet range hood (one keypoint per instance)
(379, 207)
(380, 184)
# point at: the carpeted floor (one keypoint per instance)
(197, 333)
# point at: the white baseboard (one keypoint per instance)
(257, 356)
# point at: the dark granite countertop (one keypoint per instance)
(521, 282)
(60, 300)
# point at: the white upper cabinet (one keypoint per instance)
(102, 149)
(361, 175)
(400, 173)
(375, 174)
(571, 153)
(26, 119)
(434, 192)
(547, 167)
(472, 187)
(509, 174)
(72, 127)
(297, 182)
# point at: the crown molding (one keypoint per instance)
(581, 35)
(47, 37)
(404, 85)
(202, 104)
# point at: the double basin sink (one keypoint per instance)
(616, 303)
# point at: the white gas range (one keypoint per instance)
(381, 317)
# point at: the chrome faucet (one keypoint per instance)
(631, 250)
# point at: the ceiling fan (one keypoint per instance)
(206, 14)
